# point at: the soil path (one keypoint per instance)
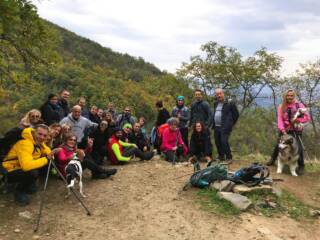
(143, 201)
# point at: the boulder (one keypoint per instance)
(222, 186)
(241, 188)
(237, 200)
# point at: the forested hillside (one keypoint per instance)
(38, 57)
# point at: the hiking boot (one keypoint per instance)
(219, 158)
(21, 198)
(110, 172)
(228, 161)
(149, 155)
(270, 162)
(300, 170)
(31, 189)
(100, 175)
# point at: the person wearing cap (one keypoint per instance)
(181, 112)
(121, 152)
(126, 133)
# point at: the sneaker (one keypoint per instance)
(100, 176)
(31, 189)
(21, 198)
(110, 172)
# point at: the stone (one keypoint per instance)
(277, 191)
(36, 237)
(17, 230)
(237, 200)
(241, 188)
(222, 186)
(266, 232)
(25, 214)
(314, 213)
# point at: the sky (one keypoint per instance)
(168, 32)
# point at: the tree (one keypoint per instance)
(224, 67)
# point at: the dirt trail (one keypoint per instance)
(143, 201)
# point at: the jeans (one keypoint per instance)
(222, 143)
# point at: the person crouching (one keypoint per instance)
(172, 144)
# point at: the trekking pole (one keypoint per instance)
(72, 190)
(41, 197)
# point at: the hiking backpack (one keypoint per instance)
(6, 143)
(250, 176)
(203, 178)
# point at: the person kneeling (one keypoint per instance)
(172, 144)
(200, 146)
(24, 160)
(122, 152)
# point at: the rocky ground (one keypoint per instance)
(144, 201)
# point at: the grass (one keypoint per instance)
(286, 204)
(210, 201)
(312, 166)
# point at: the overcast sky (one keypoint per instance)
(168, 32)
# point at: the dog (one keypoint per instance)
(73, 175)
(288, 153)
(298, 114)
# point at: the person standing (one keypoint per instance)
(163, 114)
(51, 111)
(200, 110)
(181, 112)
(225, 115)
(63, 102)
(286, 125)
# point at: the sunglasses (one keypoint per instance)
(35, 116)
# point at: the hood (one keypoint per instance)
(27, 134)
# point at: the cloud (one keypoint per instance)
(168, 32)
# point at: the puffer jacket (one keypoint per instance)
(26, 154)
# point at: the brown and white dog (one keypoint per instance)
(288, 154)
(74, 175)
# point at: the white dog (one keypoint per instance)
(288, 154)
(299, 113)
(73, 175)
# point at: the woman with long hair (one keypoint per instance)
(31, 119)
(287, 124)
(200, 146)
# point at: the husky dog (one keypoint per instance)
(288, 153)
(73, 175)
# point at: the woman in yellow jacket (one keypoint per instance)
(25, 158)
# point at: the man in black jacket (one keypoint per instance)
(63, 102)
(225, 115)
(200, 110)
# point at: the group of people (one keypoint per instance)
(61, 133)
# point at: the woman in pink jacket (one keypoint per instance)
(288, 124)
(172, 144)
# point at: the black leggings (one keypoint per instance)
(23, 179)
(130, 151)
(91, 165)
(171, 155)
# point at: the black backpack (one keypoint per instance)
(250, 176)
(6, 143)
